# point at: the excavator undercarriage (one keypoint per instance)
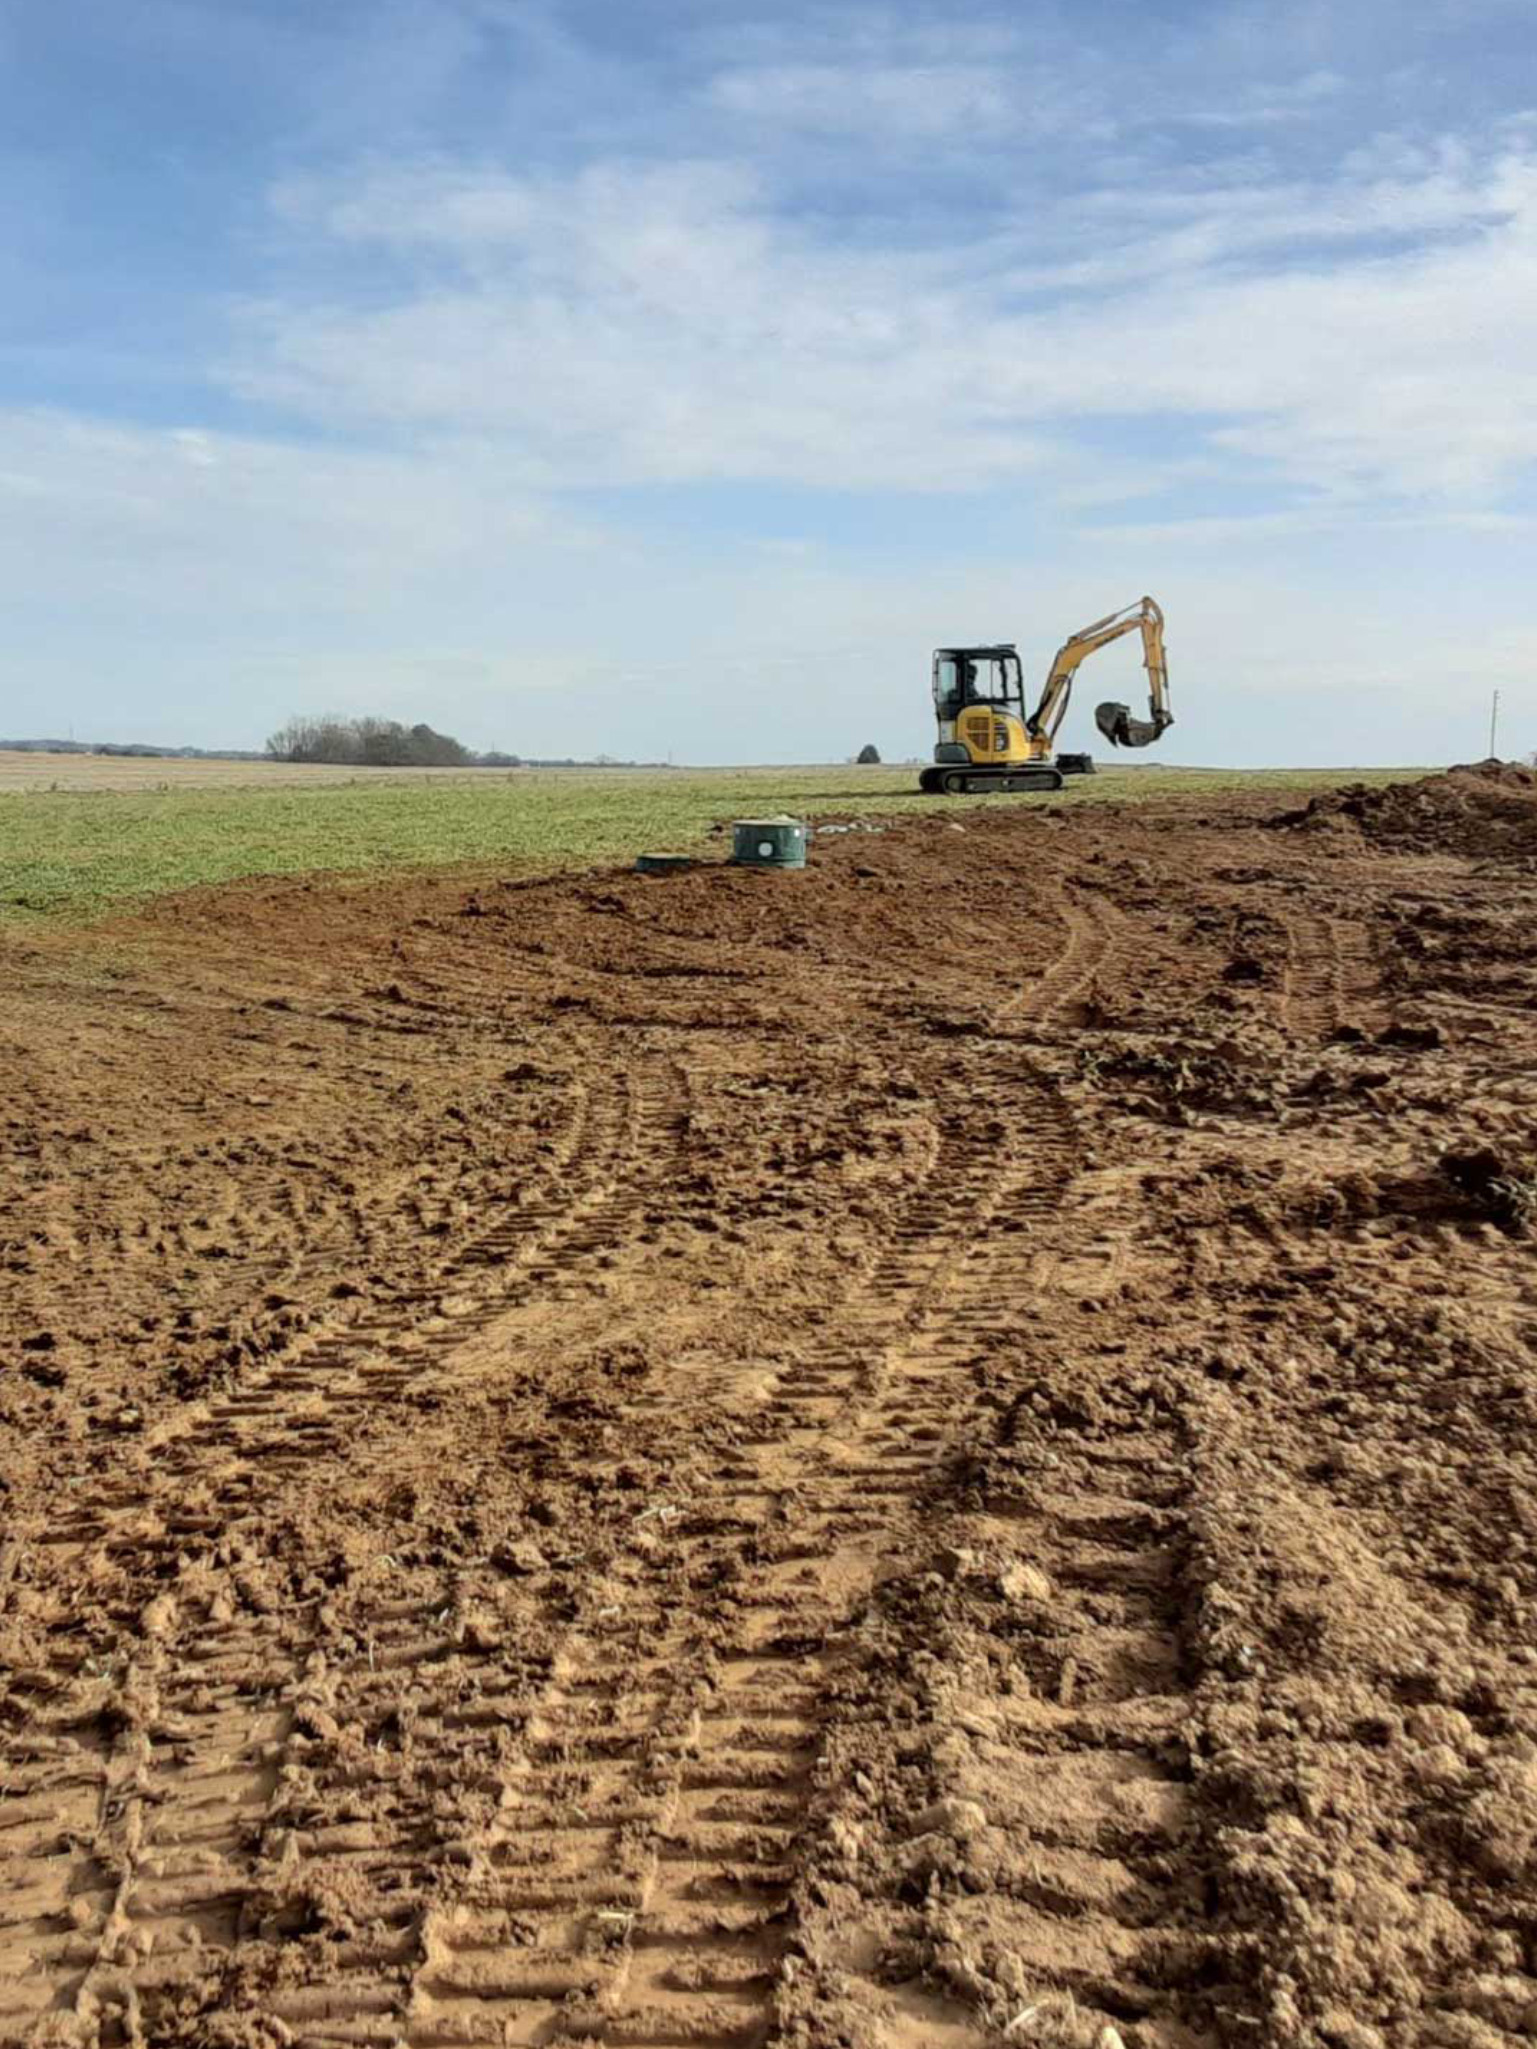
(958, 782)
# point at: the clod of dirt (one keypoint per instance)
(1437, 1724)
(242, 2031)
(523, 1557)
(125, 1420)
(1493, 1186)
(1500, 1821)
(159, 1617)
(1024, 1582)
(950, 1817)
(1227, 1076)
(1416, 1038)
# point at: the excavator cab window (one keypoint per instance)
(965, 676)
(948, 687)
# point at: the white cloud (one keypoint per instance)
(642, 325)
(635, 324)
(914, 89)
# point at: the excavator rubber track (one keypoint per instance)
(971, 782)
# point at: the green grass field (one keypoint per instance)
(80, 852)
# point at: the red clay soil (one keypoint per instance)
(936, 1451)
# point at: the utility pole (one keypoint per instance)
(1494, 720)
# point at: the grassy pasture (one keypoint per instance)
(74, 844)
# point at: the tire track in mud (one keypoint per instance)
(323, 1217)
(1100, 1909)
(282, 1415)
(1091, 1773)
(320, 1244)
(129, 1822)
(666, 1776)
(667, 1780)
(636, 1862)
(196, 1778)
(1095, 1905)
(1330, 977)
(1096, 944)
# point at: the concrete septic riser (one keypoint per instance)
(769, 842)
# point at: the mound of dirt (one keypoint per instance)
(1484, 810)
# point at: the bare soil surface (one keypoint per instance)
(932, 1452)
(20, 770)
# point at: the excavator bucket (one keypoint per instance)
(1121, 729)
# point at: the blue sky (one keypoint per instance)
(671, 378)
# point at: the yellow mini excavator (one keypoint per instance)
(987, 739)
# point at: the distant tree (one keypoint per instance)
(312, 739)
(366, 743)
(868, 756)
(436, 750)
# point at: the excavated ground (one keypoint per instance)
(933, 1452)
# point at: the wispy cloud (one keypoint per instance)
(635, 323)
(177, 520)
(913, 104)
(1279, 101)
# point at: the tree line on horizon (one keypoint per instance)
(376, 743)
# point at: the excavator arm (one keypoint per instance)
(1114, 720)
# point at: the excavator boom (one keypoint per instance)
(1115, 721)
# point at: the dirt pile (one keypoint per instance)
(922, 1455)
(1485, 811)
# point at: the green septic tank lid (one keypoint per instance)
(769, 842)
(663, 864)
